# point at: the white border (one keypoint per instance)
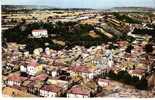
(40, 98)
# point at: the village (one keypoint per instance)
(72, 73)
(123, 66)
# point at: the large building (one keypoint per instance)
(38, 33)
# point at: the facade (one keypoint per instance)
(86, 72)
(23, 70)
(50, 90)
(60, 83)
(103, 82)
(15, 80)
(137, 72)
(51, 71)
(34, 87)
(34, 68)
(39, 33)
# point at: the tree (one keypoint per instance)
(142, 84)
(129, 48)
(91, 94)
(124, 76)
(112, 75)
(148, 48)
(134, 80)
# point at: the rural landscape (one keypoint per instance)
(78, 52)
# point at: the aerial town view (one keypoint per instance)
(78, 50)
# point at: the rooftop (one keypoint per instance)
(78, 90)
(16, 77)
(52, 87)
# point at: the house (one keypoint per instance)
(47, 51)
(84, 71)
(51, 71)
(40, 77)
(23, 69)
(34, 87)
(38, 33)
(60, 83)
(34, 68)
(35, 83)
(15, 79)
(26, 83)
(137, 72)
(103, 82)
(78, 92)
(50, 90)
(121, 43)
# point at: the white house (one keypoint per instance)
(26, 54)
(54, 73)
(50, 90)
(109, 56)
(103, 82)
(23, 68)
(86, 72)
(33, 68)
(37, 51)
(38, 33)
(47, 51)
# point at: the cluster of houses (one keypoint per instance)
(66, 72)
(46, 75)
(45, 85)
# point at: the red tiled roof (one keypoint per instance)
(16, 77)
(78, 90)
(58, 64)
(38, 30)
(33, 63)
(138, 71)
(16, 87)
(35, 84)
(107, 68)
(52, 87)
(65, 69)
(103, 80)
(15, 62)
(31, 84)
(81, 69)
(40, 77)
(46, 56)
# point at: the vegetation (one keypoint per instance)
(148, 48)
(123, 37)
(146, 32)
(129, 48)
(72, 33)
(125, 77)
(126, 18)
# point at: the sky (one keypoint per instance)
(83, 3)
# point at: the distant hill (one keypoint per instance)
(132, 9)
(16, 7)
(29, 7)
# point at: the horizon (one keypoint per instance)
(50, 7)
(93, 4)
